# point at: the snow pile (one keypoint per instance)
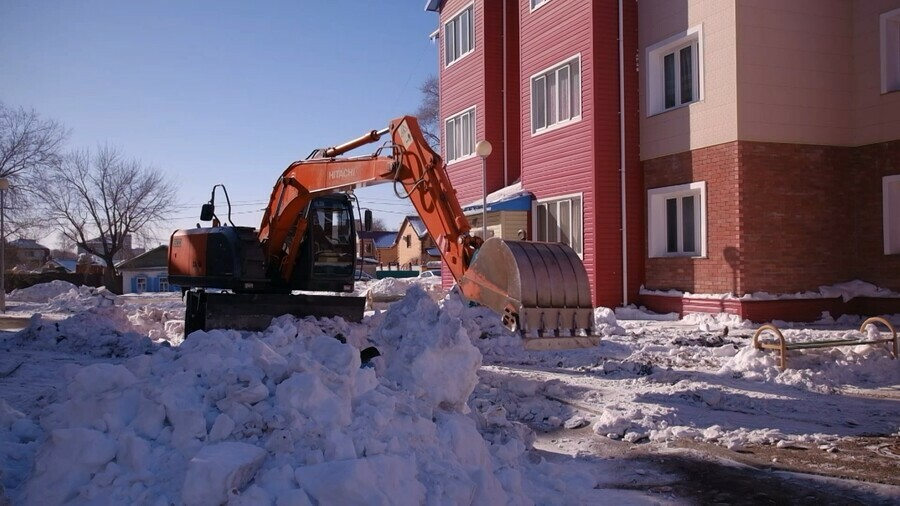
(389, 288)
(286, 416)
(160, 322)
(821, 370)
(42, 292)
(392, 289)
(853, 289)
(846, 291)
(61, 297)
(299, 415)
(98, 332)
(641, 313)
(715, 322)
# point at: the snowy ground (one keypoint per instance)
(102, 403)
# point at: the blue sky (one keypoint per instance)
(219, 91)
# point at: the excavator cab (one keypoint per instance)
(327, 259)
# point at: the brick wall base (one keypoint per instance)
(781, 218)
(762, 311)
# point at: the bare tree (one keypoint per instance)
(378, 225)
(27, 144)
(97, 200)
(63, 254)
(429, 112)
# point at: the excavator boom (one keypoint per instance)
(540, 289)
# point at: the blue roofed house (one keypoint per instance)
(148, 272)
(507, 213)
(60, 265)
(376, 248)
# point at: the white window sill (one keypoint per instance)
(467, 53)
(461, 159)
(556, 126)
(677, 107)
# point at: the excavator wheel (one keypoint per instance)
(541, 290)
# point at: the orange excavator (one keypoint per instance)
(240, 277)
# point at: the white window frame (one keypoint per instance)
(657, 229)
(138, 281)
(454, 30)
(656, 77)
(890, 194)
(456, 146)
(575, 232)
(164, 283)
(572, 95)
(537, 4)
(890, 51)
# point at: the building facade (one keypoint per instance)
(147, 272)
(769, 146)
(683, 147)
(414, 246)
(542, 81)
(29, 254)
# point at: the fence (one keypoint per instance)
(17, 280)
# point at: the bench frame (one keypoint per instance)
(782, 346)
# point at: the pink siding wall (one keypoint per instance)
(476, 80)
(584, 157)
(559, 162)
(579, 158)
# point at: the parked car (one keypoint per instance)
(362, 276)
(430, 274)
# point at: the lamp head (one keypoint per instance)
(483, 148)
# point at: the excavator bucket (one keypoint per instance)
(541, 290)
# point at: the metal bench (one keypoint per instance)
(783, 346)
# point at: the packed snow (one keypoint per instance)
(104, 401)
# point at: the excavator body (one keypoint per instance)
(240, 277)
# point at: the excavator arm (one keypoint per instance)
(539, 289)
(412, 166)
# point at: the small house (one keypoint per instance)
(148, 272)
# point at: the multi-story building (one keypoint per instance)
(689, 148)
(540, 81)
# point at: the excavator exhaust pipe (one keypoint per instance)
(541, 290)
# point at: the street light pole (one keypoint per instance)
(4, 185)
(483, 149)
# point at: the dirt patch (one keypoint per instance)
(710, 474)
(13, 323)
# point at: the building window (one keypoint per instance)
(460, 135)
(890, 51)
(163, 283)
(459, 35)
(891, 197)
(556, 95)
(674, 71)
(559, 220)
(140, 284)
(537, 3)
(367, 248)
(677, 220)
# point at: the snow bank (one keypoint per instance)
(99, 332)
(42, 292)
(286, 416)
